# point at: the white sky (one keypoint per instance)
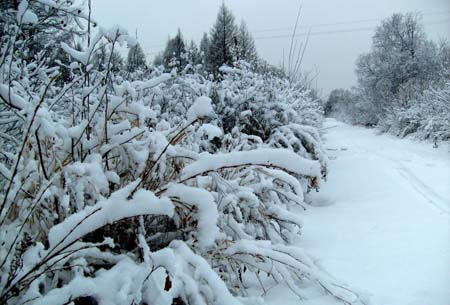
(332, 54)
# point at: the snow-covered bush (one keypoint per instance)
(425, 117)
(257, 103)
(138, 190)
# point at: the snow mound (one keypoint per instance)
(201, 109)
(278, 158)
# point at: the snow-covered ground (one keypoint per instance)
(381, 223)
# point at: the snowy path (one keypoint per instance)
(381, 222)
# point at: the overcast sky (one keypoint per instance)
(341, 29)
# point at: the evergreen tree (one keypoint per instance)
(193, 54)
(102, 58)
(204, 49)
(174, 54)
(158, 60)
(204, 44)
(136, 58)
(246, 49)
(223, 41)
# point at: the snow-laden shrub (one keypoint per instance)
(257, 103)
(262, 109)
(426, 117)
(117, 191)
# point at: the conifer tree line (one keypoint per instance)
(225, 44)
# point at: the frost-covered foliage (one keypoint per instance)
(142, 189)
(426, 117)
(258, 103)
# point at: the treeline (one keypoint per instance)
(225, 44)
(403, 83)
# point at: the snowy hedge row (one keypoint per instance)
(426, 117)
(148, 188)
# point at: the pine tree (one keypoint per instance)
(102, 58)
(174, 54)
(204, 51)
(158, 60)
(223, 41)
(193, 54)
(136, 58)
(246, 49)
(204, 44)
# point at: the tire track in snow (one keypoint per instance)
(429, 194)
(419, 186)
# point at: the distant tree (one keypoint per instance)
(174, 54)
(204, 44)
(102, 58)
(159, 59)
(339, 102)
(245, 49)
(193, 56)
(223, 41)
(136, 58)
(444, 60)
(402, 62)
(204, 49)
(265, 68)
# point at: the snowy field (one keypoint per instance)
(381, 221)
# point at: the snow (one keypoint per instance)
(279, 158)
(109, 286)
(118, 33)
(9, 96)
(218, 291)
(211, 131)
(108, 211)
(206, 214)
(153, 82)
(284, 258)
(381, 221)
(201, 109)
(230, 70)
(81, 56)
(91, 170)
(25, 15)
(245, 114)
(4, 171)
